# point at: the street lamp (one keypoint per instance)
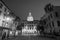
(8, 19)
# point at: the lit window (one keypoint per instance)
(16, 33)
(10, 32)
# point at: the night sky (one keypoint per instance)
(22, 7)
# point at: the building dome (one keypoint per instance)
(30, 17)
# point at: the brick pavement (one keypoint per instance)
(30, 38)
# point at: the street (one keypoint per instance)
(20, 37)
(29, 38)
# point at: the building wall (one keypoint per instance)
(49, 26)
(4, 8)
(7, 19)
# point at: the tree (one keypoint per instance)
(40, 27)
(19, 27)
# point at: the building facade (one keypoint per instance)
(51, 18)
(30, 25)
(8, 20)
(4, 13)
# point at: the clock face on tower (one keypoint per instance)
(30, 17)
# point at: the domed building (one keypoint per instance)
(30, 17)
(30, 26)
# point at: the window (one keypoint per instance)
(48, 17)
(50, 24)
(53, 24)
(58, 22)
(56, 14)
(1, 5)
(0, 11)
(51, 15)
(44, 22)
(5, 9)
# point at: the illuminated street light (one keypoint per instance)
(8, 18)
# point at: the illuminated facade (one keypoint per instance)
(30, 26)
(4, 10)
(7, 20)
